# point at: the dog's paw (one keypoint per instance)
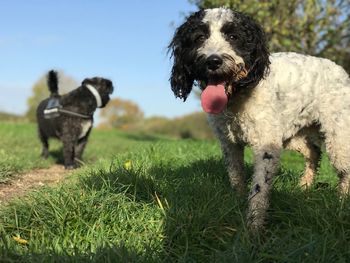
(45, 156)
(70, 167)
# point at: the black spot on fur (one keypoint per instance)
(267, 156)
(257, 188)
(254, 191)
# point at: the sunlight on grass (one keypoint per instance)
(160, 200)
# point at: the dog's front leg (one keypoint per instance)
(79, 148)
(68, 153)
(234, 160)
(266, 160)
(233, 151)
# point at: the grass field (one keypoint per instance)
(171, 203)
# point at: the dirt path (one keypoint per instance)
(30, 181)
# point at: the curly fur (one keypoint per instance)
(285, 100)
(231, 34)
(72, 131)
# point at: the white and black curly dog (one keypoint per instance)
(270, 102)
(69, 117)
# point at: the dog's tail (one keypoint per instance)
(52, 82)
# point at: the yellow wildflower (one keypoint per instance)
(127, 165)
(20, 240)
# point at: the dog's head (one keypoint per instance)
(218, 46)
(104, 87)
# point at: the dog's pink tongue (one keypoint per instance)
(214, 99)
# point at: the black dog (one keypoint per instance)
(69, 117)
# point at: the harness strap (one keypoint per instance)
(75, 114)
(52, 113)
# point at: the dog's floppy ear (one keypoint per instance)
(181, 49)
(258, 52)
(181, 79)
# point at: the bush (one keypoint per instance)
(192, 126)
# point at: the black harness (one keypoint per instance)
(54, 109)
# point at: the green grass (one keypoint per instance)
(173, 205)
(19, 149)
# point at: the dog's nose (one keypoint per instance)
(214, 62)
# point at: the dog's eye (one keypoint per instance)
(232, 36)
(200, 38)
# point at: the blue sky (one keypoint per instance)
(122, 40)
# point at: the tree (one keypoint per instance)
(41, 92)
(314, 27)
(120, 114)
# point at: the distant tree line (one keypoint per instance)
(125, 115)
(5, 116)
